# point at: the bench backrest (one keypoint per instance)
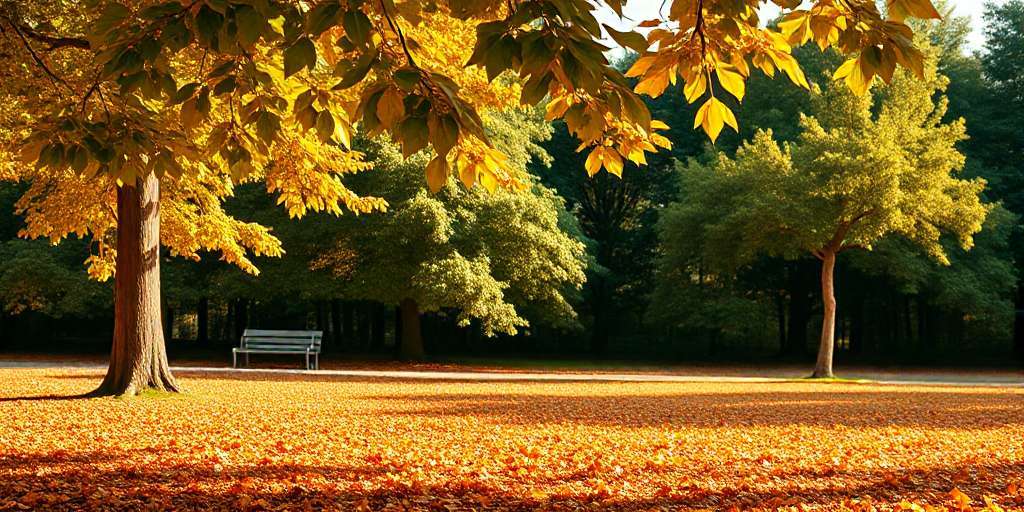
(264, 339)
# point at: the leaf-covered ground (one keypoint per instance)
(284, 442)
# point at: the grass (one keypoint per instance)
(237, 441)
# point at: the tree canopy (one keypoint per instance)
(852, 178)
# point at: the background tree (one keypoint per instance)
(497, 258)
(850, 179)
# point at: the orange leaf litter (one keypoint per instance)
(283, 442)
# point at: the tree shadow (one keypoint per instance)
(761, 406)
(102, 480)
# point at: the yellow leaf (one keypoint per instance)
(641, 66)
(468, 174)
(695, 88)
(437, 173)
(712, 116)
(390, 108)
(653, 84)
(731, 81)
(613, 162)
(593, 163)
(489, 181)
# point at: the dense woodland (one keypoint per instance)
(671, 261)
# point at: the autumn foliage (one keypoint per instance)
(276, 442)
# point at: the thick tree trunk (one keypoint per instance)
(823, 367)
(138, 360)
(412, 336)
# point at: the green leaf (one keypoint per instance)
(444, 132)
(406, 78)
(414, 134)
(358, 70)
(225, 86)
(267, 126)
(322, 17)
(186, 92)
(208, 23)
(325, 126)
(357, 27)
(299, 55)
(632, 40)
(250, 24)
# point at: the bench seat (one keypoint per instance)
(265, 341)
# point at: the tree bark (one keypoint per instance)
(412, 336)
(823, 367)
(138, 359)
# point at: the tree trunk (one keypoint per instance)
(823, 367)
(336, 323)
(378, 326)
(412, 336)
(138, 359)
(1018, 323)
(241, 318)
(780, 316)
(169, 324)
(348, 322)
(363, 315)
(203, 321)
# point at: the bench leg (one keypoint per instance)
(234, 359)
(246, 359)
(307, 360)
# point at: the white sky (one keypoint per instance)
(639, 10)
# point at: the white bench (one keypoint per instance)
(262, 341)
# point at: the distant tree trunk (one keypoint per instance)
(601, 332)
(1018, 323)
(138, 359)
(412, 336)
(321, 316)
(241, 318)
(363, 324)
(378, 325)
(203, 321)
(780, 314)
(169, 324)
(823, 367)
(348, 321)
(856, 309)
(398, 332)
(336, 324)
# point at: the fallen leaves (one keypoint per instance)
(281, 442)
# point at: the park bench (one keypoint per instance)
(262, 341)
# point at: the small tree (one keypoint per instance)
(851, 179)
(502, 258)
